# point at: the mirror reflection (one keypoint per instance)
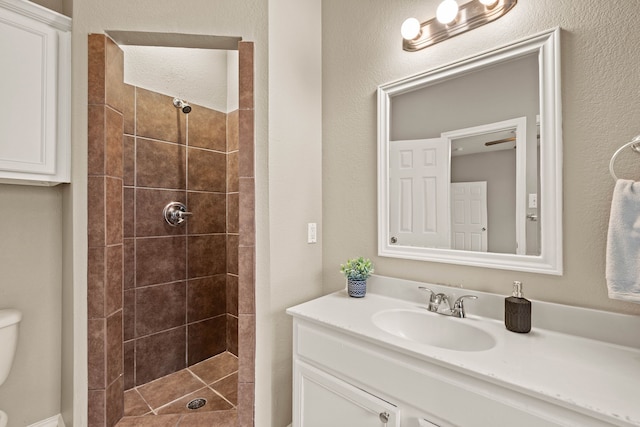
(463, 162)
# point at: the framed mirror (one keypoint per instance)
(470, 160)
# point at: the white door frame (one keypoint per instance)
(520, 126)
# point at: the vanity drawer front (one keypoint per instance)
(446, 396)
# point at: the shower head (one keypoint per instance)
(182, 104)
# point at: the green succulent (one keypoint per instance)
(357, 268)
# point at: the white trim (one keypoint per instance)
(38, 13)
(547, 46)
(55, 421)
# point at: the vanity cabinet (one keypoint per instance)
(35, 83)
(328, 401)
(343, 380)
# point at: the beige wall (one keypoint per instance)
(31, 281)
(600, 113)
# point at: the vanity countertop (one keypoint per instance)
(579, 372)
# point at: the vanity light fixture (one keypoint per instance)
(452, 20)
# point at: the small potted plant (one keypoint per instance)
(357, 271)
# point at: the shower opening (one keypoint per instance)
(170, 290)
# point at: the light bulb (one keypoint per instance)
(488, 3)
(410, 29)
(447, 11)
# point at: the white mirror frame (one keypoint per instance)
(547, 46)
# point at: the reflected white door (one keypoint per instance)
(419, 176)
(469, 216)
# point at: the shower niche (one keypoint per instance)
(165, 321)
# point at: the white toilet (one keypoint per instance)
(9, 320)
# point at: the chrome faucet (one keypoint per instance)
(458, 306)
(436, 300)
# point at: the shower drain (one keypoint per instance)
(197, 403)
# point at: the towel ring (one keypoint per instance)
(635, 146)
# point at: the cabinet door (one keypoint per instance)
(28, 84)
(321, 400)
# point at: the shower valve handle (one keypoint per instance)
(175, 213)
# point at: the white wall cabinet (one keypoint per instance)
(35, 86)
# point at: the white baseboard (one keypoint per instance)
(55, 421)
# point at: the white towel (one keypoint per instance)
(623, 242)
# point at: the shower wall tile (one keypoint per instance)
(97, 332)
(96, 214)
(129, 160)
(95, 140)
(149, 212)
(207, 255)
(129, 315)
(114, 345)
(96, 282)
(129, 365)
(246, 347)
(113, 288)
(114, 401)
(206, 298)
(105, 231)
(160, 260)
(113, 205)
(232, 131)
(232, 334)
(96, 409)
(246, 143)
(247, 208)
(232, 295)
(232, 254)
(232, 172)
(233, 201)
(207, 128)
(159, 164)
(157, 118)
(246, 400)
(113, 141)
(207, 171)
(114, 76)
(160, 307)
(206, 338)
(245, 65)
(129, 109)
(96, 68)
(209, 213)
(129, 222)
(160, 354)
(129, 264)
(246, 280)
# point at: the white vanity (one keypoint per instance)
(384, 360)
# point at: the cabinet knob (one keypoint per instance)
(384, 417)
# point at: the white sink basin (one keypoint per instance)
(434, 330)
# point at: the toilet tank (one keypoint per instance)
(9, 319)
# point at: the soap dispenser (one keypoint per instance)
(517, 311)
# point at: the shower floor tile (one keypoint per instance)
(163, 401)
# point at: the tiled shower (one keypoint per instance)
(162, 298)
(180, 282)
